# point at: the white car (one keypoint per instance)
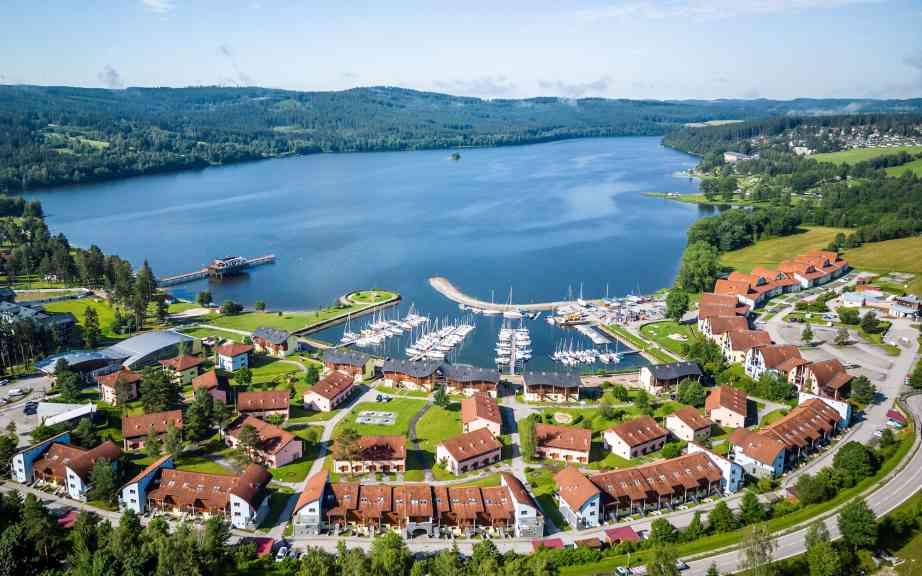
(281, 554)
(15, 392)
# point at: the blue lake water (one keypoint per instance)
(534, 218)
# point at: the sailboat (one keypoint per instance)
(512, 314)
(490, 311)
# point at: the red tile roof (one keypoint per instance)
(234, 349)
(574, 488)
(137, 426)
(563, 437)
(471, 445)
(272, 439)
(692, 418)
(331, 385)
(638, 431)
(621, 534)
(744, 340)
(726, 396)
(480, 406)
(263, 400)
(181, 363)
(123, 376)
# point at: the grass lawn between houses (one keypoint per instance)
(660, 333)
(104, 310)
(403, 408)
(201, 332)
(298, 470)
(436, 425)
(769, 253)
(863, 154)
(639, 344)
(543, 487)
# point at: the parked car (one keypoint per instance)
(680, 565)
(15, 392)
(281, 554)
(4, 382)
(622, 571)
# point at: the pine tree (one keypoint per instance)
(152, 443)
(90, 327)
(172, 440)
(440, 398)
(85, 434)
(751, 510)
(103, 480)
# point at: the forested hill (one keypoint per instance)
(61, 135)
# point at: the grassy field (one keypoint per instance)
(403, 409)
(901, 255)
(659, 332)
(216, 333)
(29, 296)
(104, 310)
(266, 370)
(371, 296)
(290, 321)
(639, 344)
(436, 425)
(543, 488)
(769, 253)
(297, 470)
(862, 154)
(773, 416)
(915, 167)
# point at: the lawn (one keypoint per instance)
(277, 503)
(177, 307)
(773, 416)
(104, 310)
(266, 369)
(403, 408)
(769, 253)
(297, 470)
(298, 415)
(660, 333)
(436, 425)
(201, 463)
(290, 321)
(863, 154)
(212, 332)
(29, 296)
(915, 167)
(401, 392)
(543, 488)
(371, 296)
(901, 255)
(638, 344)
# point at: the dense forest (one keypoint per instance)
(61, 135)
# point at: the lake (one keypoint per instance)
(537, 219)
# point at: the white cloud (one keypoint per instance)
(484, 86)
(576, 89)
(110, 77)
(708, 9)
(159, 6)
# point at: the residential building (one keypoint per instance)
(734, 157)
(57, 462)
(551, 386)
(842, 407)
(481, 411)
(688, 424)
(243, 501)
(122, 384)
(274, 342)
(264, 403)
(135, 429)
(563, 443)
(11, 312)
(182, 369)
(663, 378)
(715, 326)
(375, 454)
(417, 509)
(771, 359)
(721, 310)
(331, 391)
(741, 289)
(469, 380)
(895, 419)
(827, 378)
(276, 447)
(425, 375)
(356, 364)
(665, 484)
(615, 536)
(634, 438)
(217, 385)
(578, 499)
(469, 451)
(736, 344)
(233, 356)
(760, 455)
(727, 406)
(853, 299)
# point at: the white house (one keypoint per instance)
(307, 516)
(330, 392)
(234, 356)
(529, 520)
(760, 455)
(469, 451)
(635, 437)
(732, 475)
(688, 424)
(579, 500)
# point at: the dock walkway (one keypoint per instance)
(444, 287)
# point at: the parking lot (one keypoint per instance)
(13, 411)
(376, 417)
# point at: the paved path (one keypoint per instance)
(414, 441)
(444, 287)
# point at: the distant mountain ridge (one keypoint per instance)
(51, 135)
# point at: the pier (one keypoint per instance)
(219, 268)
(444, 287)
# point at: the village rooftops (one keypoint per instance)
(119, 377)
(574, 488)
(332, 385)
(563, 437)
(421, 369)
(137, 426)
(181, 363)
(471, 445)
(518, 491)
(346, 357)
(776, 356)
(760, 447)
(830, 374)
(804, 424)
(638, 431)
(743, 340)
(271, 335)
(712, 310)
(468, 373)
(728, 397)
(58, 457)
(675, 370)
(724, 324)
(374, 448)
(208, 380)
(262, 400)
(718, 300)
(692, 418)
(184, 488)
(731, 287)
(313, 490)
(272, 439)
(688, 471)
(234, 349)
(551, 379)
(480, 406)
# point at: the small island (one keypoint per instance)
(454, 156)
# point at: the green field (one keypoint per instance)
(863, 154)
(901, 255)
(29, 296)
(297, 470)
(104, 310)
(769, 253)
(213, 332)
(289, 321)
(403, 409)
(659, 332)
(915, 167)
(371, 296)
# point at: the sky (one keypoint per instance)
(659, 49)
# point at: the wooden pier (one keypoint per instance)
(227, 266)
